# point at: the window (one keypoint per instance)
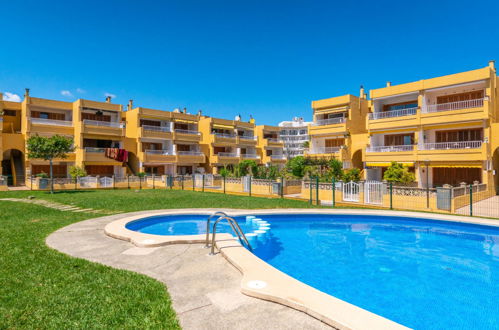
(331, 143)
(399, 139)
(93, 116)
(149, 122)
(459, 135)
(460, 97)
(9, 112)
(400, 106)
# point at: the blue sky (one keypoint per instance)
(265, 58)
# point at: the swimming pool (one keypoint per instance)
(421, 273)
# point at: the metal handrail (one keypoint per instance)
(393, 113)
(235, 227)
(207, 244)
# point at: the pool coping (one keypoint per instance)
(272, 284)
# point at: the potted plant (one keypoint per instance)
(43, 180)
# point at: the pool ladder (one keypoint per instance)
(233, 224)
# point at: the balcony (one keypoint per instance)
(247, 140)
(400, 148)
(161, 132)
(190, 156)
(250, 156)
(273, 142)
(220, 138)
(455, 151)
(468, 104)
(324, 150)
(392, 114)
(187, 135)
(225, 158)
(330, 121)
(278, 158)
(160, 156)
(97, 155)
(451, 145)
(103, 127)
(51, 126)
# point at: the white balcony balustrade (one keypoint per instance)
(451, 145)
(407, 147)
(393, 113)
(277, 157)
(164, 129)
(247, 137)
(227, 154)
(274, 140)
(250, 156)
(190, 153)
(226, 136)
(186, 131)
(330, 121)
(103, 123)
(324, 150)
(95, 150)
(476, 103)
(160, 152)
(52, 122)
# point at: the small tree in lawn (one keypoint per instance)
(48, 148)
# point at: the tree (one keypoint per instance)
(247, 167)
(352, 174)
(397, 172)
(335, 169)
(48, 148)
(77, 172)
(296, 166)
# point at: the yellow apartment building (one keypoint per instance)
(12, 142)
(163, 142)
(270, 146)
(339, 129)
(445, 128)
(226, 142)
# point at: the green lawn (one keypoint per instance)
(42, 288)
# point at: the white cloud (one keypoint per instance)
(66, 93)
(80, 91)
(11, 97)
(113, 96)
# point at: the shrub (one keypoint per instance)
(397, 172)
(351, 175)
(76, 172)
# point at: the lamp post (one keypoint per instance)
(427, 163)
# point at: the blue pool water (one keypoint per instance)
(424, 274)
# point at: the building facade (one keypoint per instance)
(294, 135)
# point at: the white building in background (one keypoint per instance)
(294, 134)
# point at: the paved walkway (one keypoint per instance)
(205, 290)
(56, 206)
(486, 208)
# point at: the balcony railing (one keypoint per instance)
(250, 156)
(325, 150)
(102, 123)
(408, 147)
(165, 129)
(54, 122)
(246, 137)
(476, 103)
(160, 152)
(393, 113)
(274, 140)
(186, 131)
(277, 157)
(95, 150)
(190, 153)
(451, 145)
(226, 154)
(226, 136)
(330, 121)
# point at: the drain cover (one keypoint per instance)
(256, 284)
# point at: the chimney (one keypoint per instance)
(388, 83)
(26, 93)
(492, 64)
(361, 94)
(184, 111)
(130, 104)
(200, 112)
(108, 99)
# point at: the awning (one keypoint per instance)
(456, 165)
(219, 126)
(386, 164)
(332, 110)
(185, 121)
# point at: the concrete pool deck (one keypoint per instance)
(206, 290)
